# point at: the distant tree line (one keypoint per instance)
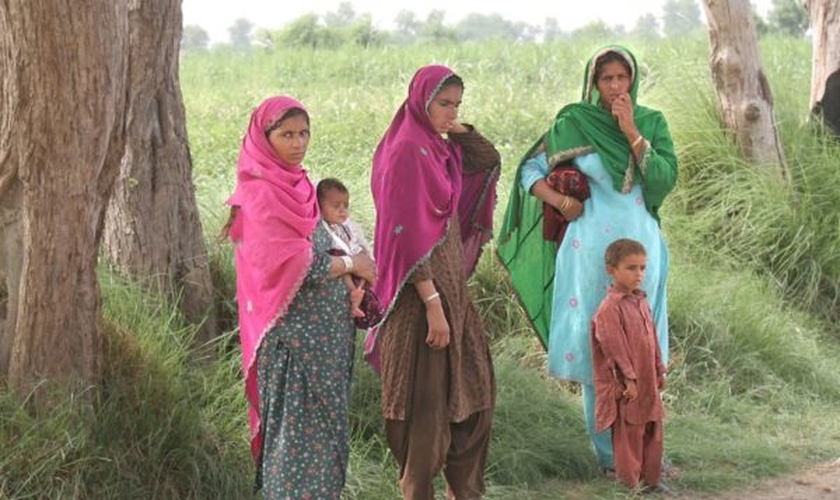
(346, 27)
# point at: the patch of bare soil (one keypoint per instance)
(820, 482)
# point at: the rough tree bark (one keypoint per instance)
(744, 98)
(825, 71)
(152, 230)
(63, 85)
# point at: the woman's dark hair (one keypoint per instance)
(609, 57)
(291, 112)
(330, 184)
(452, 80)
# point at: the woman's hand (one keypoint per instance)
(458, 128)
(364, 267)
(438, 336)
(571, 207)
(622, 111)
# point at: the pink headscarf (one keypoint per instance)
(278, 212)
(418, 184)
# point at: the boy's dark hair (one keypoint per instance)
(621, 248)
(330, 184)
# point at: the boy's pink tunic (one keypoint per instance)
(624, 346)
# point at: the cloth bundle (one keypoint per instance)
(569, 181)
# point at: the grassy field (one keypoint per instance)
(754, 387)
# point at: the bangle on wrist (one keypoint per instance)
(637, 141)
(348, 263)
(564, 204)
(431, 297)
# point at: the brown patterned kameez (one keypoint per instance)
(438, 404)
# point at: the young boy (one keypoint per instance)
(628, 370)
(348, 239)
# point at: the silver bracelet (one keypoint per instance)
(431, 297)
(348, 263)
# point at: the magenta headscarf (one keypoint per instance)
(277, 213)
(418, 184)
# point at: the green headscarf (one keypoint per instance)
(586, 123)
(578, 129)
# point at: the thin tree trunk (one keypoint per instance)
(153, 231)
(63, 81)
(744, 98)
(825, 72)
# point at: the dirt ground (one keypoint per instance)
(820, 482)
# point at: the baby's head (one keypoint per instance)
(333, 200)
(626, 261)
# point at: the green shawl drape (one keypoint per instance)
(578, 129)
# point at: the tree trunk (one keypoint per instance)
(825, 73)
(63, 88)
(153, 231)
(744, 98)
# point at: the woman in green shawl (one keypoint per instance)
(627, 156)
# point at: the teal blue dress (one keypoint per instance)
(304, 371)
(581, 280)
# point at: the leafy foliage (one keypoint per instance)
(647, 27)
(680, 17)
(240, 35)
(194, 38)
(788, 17)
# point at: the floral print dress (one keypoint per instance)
(304, 371)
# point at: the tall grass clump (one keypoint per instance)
(158, 427)
(48, 456)
(538, 429)
(730, 326)
(189, 411)
(780, 223)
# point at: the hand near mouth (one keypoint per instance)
(622, 110)
(458, 128)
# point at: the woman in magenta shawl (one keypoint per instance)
(433, 185)
(294, 323)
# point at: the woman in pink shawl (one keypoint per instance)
(294, 323)
(433, 184)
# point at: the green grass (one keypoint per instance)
(754, 384)
(162, 424)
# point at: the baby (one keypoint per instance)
(348, 238)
